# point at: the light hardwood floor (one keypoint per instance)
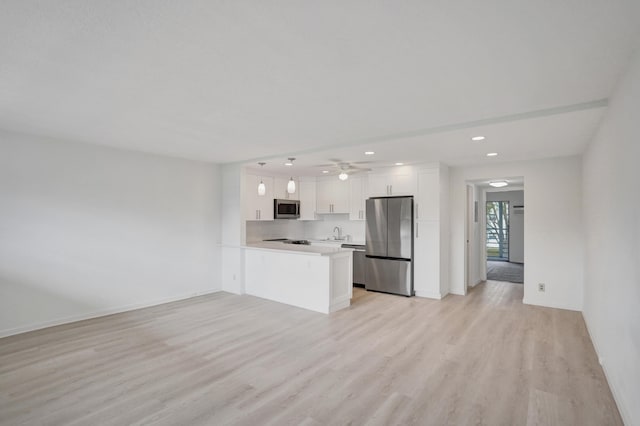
(224, 359)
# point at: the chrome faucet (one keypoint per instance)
(339, 233)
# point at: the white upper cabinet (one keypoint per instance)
(280, 189)
(307, 199)
(427, 206)
(357, 197)
(332, 195)
(397, 182)
(258, 207)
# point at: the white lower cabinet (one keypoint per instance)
(426, 268)
(328, 279)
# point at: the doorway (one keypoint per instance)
(504, 232)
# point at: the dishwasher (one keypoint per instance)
(358, 263)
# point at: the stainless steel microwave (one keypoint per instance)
(286, 209)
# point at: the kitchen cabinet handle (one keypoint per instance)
(417, 230)
(417, 211)
(390, 189)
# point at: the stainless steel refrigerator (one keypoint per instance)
(389, 245)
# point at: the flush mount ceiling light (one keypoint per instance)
(399, 164)
(492, 154)
(325, 171)
(262, 189)
(478, 138)
(343, 176)
(289, 161)
(369, 152)
(499, 183)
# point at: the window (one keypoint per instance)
(498, 230)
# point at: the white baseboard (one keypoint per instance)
(551, 305)
(617, 396)
(428, 294)
(101, 313)
(476, 283)
(340, 303)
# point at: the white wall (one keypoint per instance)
(516, 221)
(233, 228)
(553, 227)
(612, 218)
(477, 266)
(88, 230)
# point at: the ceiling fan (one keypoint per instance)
(344, 168)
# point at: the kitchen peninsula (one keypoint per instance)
(314, 277)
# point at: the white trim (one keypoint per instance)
(552, 305)
(340, 303)
(101, 313)
(428, 294)
(617, 395)
(478, 282)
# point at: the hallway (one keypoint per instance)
(505, 271)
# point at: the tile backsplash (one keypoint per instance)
(310, 229)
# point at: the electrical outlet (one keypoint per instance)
(540, 286)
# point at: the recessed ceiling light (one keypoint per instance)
(499, 183)
(478, 138)
(325, 171)
(399, 164)
(369, 153)
(492, 154)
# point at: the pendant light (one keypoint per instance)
(262, 189)
(291, 186)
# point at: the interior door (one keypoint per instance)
(376, 235)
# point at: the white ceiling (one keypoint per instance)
(553, 135)
(233, 81)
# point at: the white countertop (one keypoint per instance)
(297, 248)
(336, 242)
